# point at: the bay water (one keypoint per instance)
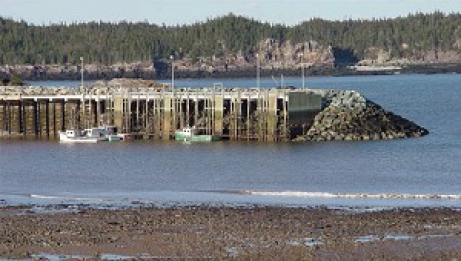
(405, 172)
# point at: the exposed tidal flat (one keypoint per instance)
(247, 200)
(223, 232)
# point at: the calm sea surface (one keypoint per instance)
(407, 172)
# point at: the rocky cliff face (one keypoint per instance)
(378, 56)
(347, 115)
(270, 54)
(274, 54)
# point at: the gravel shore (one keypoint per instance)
(240, 233)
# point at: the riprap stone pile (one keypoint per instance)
(347, 115)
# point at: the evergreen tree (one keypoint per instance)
(110, 43)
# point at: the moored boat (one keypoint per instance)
(110, 132)
(91, 135)
(192, 134)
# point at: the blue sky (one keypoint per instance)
(172, 12)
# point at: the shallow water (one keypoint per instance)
(408, 172)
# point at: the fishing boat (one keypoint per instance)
(91, 135)
(111, 133)
(193, 134)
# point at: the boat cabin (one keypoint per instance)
(109, 130)
(188, 131)
(93, 132)
(74, 133)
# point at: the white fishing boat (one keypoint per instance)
(92, 135)
(192, 134)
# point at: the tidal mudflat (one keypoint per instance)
(224, 232)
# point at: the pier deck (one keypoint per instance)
(233, 113)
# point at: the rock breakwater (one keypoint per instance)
(348, 115)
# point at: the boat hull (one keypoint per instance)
(81, 140)
(114, 138)
(197, 138)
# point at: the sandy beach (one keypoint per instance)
(223, 232)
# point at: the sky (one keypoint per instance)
(179, 12)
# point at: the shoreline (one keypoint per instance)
(237, 198)
(339, 71)
(221, 232)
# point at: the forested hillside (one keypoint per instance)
(418, 37)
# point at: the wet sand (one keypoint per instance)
(246, 233)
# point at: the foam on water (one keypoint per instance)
(67, 198)
(240, 198)
(302, 194)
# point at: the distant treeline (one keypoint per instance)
(125, 42)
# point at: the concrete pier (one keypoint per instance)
(233, 113)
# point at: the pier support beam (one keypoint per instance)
(35, 118)
(20, 117)
(47, 118)
(218, 104)
(272, 118)
(24, 117)
(118, 112)
(167, 113)
(63, 115)
(3, 118)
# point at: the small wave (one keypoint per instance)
(65, 198)
(42, 196)
(301, 194)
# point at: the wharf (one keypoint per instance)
(232, 113)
